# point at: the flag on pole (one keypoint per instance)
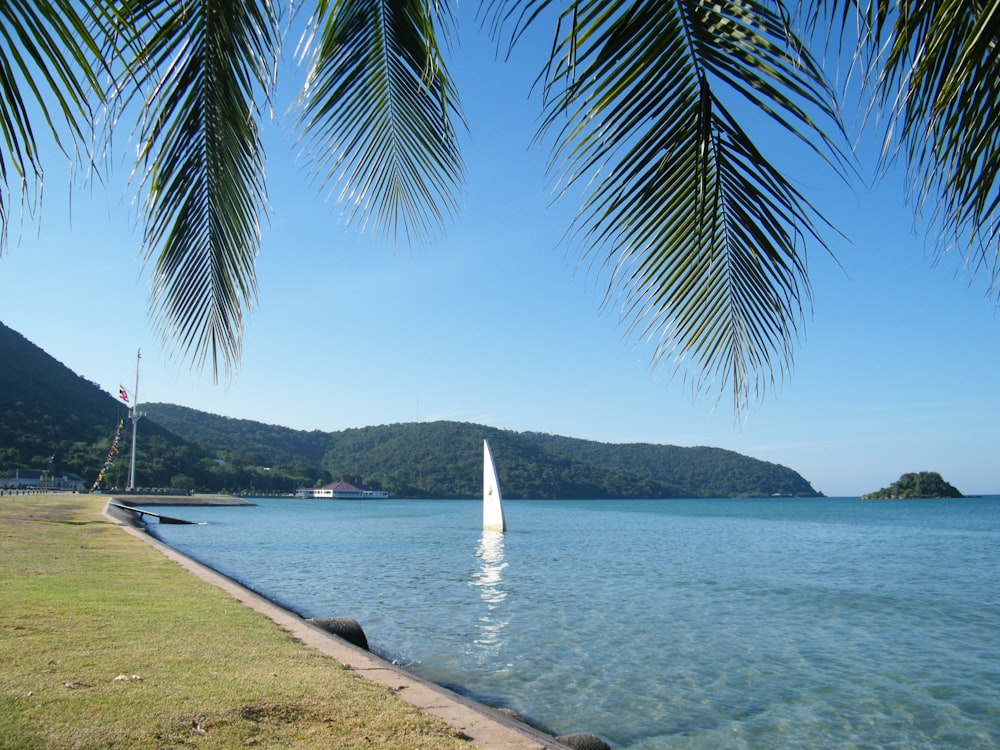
(123, 393)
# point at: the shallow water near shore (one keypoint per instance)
(830, 623)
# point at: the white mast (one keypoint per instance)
(134, 414)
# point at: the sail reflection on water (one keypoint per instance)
(489, 579)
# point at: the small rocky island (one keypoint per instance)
(924, 484)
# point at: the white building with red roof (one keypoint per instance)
(340, 491)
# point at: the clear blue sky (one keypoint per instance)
(497, 322)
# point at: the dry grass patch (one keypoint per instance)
(107, 643)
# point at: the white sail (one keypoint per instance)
(493, 519)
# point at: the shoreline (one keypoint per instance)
(485, 726)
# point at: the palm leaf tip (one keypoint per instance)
(50, 68)
(704, 240)
(379, 114)
(202, 169)
(932, 74)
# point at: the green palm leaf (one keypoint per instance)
(378, 112)
(930, 68)
(49, 64)
(703, 239)
(203, 65)
(940, 88)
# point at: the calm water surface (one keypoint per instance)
(659, 624)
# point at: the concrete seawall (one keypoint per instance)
(203, 501)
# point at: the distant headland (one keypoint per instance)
(924, 484)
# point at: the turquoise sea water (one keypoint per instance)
(830, 623)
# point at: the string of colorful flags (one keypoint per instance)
(111, 456)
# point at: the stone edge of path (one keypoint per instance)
(486, 727)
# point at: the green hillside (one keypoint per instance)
(50, 417)
(444, 459)
(48, 411)
(260, 443)
(696, 472)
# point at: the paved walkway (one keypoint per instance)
(484, 726)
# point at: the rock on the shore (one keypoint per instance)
(343, 627)
(583, 741)
(513, 714)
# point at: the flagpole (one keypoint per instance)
(135, 420)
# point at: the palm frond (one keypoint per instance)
(703, 239)
(930, 71)
(940, 87)
(49, 64)
(379, 113)
(202, 65)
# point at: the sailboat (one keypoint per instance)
(493, 519)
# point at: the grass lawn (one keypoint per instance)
(106, 643)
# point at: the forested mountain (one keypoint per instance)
(444, 459)
(51, 418)
(699, 471)
(261, 443)
(46, 410)
(425, 459)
